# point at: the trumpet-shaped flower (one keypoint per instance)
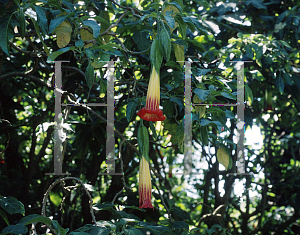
(152, 112)
(145, 185)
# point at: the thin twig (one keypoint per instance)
(163, 202)
(104, 120)
(19, 74)
(133, 10)
(61, 180)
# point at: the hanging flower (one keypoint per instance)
(145, 184)
(152, 112)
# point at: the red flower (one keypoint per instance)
(145, 185)
(152, 112)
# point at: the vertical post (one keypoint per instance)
(110, 126)
(188, 161)
(58, 158)
(240, 163)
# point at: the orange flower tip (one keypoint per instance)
(146, 204)
(151, 115)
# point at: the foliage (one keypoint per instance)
(136, 36)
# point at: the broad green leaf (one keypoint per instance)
(202, 3)
(143, 141)
(55, 4)
(15, 229)
(42, 20)
(279, 83)
(169, 13)
(248, 94)
(179, 53)
(63, 34)
(55, 198)
(180, 225)
(228, 95)
(223, 157)
(34, 218)
(11, 205)
(58, 228)
(4, 216)
(155, 55)
(182, 26)
(54, 54)
(202, 94)
(141, 38)
(204, 135)
(56, 22)
(89, 75)
(103, 87)
(86, 36)
(104, 15)
(95, 27)
(132, 231)
(4, 31)
(178, 101)
(102, 61)
(130, 110)
(200, 109)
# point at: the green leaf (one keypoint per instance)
(170, 20)
(153, 130)
(56, 22)
(103, 86)
(42, 20)
(54, 54)
(182, 26)
(181, 213)
(155, 55)
(4, 28)
(37, 29)
(55, 4)
(203, 3)
(132, 231)
(141, 39)
(204, 135)
(178, 101)
(287, 78)
(11, 205)
(130, 110)
(108, 206)
(279, 83)
(223, 157)
(15, 229)
(165, 43)
(34, 218)
(4, 216)
(228, 95)
(180, 225)
(248, 94)
(202, 94)
(179, 53)
(55, 198)
(89, 75)
(143, 141)
(95, 27)
(58, 228)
